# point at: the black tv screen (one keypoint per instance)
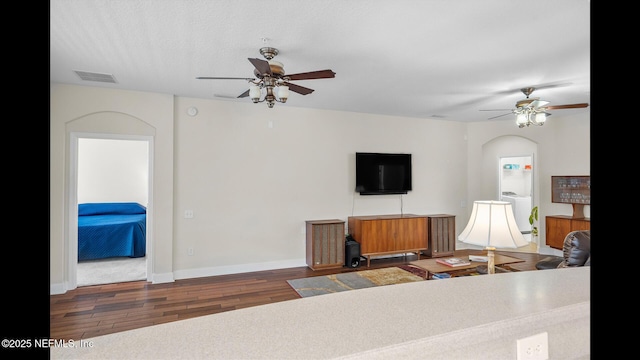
(383, 174)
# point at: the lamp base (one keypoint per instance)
(491, 269)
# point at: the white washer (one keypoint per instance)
(521, 206)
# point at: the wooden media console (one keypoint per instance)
(389, 234)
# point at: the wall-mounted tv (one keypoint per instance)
(383, 174)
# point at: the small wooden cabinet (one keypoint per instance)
(558, 226)
(441, 235)
(325, 244)
(389, 234)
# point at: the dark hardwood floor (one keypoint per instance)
(103, 309)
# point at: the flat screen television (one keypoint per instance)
(383, 174)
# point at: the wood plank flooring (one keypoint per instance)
(96, 310)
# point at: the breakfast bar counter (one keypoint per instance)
(473, 317)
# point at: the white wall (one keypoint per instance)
(111, 170)
(253, 175)
(252, 187)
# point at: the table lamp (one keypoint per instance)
(492, 225)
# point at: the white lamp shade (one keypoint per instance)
(521, 119)
(283, 92)
(492, 224)
(254, 92)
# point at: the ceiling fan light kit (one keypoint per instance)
(529, 111)
(533, 111)
(270, 76)
(527, 118)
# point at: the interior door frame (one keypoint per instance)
(72, 203)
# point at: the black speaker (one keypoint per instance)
(352, 254)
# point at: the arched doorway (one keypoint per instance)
(513, 150)
(105, 125)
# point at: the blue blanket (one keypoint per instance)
(111, 230)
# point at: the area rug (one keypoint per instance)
(414, 270)
(321, 285)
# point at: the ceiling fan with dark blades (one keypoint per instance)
(533, 111)
(269, 75)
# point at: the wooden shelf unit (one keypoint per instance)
(325, 244)
(389, 234)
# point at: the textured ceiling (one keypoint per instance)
(417, 58)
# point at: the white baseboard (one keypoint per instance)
(237, 269)
(56, 289)
(162, 278)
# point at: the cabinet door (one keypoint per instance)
(410, 234)
(580, 224)
(376, 236)
(556, 230)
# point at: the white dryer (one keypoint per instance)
(521, 206)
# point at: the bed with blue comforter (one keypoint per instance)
(111, 230)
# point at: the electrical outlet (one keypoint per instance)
(190, 251)
(188, 214)
(534, 347)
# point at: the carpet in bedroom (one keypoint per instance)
(320, 285)
(111, 270)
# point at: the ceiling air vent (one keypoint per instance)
(91, 76)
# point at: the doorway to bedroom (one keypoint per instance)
(112, 170)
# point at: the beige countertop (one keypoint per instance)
(462, 317)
